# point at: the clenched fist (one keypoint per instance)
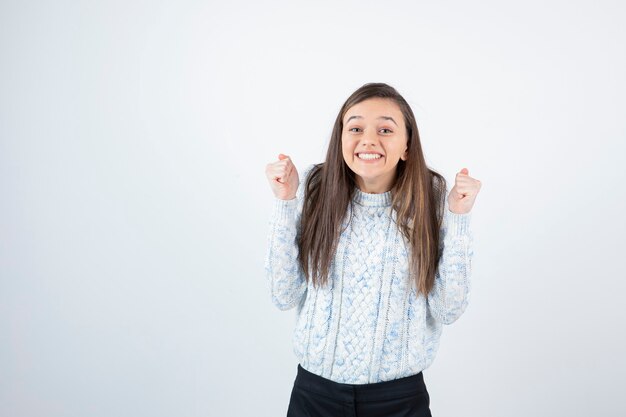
(283, 177)
(463, 195)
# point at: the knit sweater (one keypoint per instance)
(368, 324)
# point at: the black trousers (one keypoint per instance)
(315, 396)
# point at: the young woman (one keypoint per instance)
(375, 254)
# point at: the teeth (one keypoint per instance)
(369, 156)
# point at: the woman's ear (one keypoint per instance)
(405, 155)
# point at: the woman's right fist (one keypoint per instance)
(283, 177)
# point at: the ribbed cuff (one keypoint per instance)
(458, 224)
(284, 209)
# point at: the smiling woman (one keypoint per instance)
(376, 262)
(372, 143)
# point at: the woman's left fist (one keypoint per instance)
(463, 194)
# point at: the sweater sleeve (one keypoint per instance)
(286, 280)
(451, 293)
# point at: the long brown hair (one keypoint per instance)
(418, 198)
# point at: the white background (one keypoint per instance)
(134, 205)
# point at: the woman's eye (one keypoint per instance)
(351, 129)
(384, 128)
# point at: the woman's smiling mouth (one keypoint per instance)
(369, 156)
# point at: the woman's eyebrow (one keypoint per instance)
(381, 117)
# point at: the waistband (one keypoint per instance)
(385, 390)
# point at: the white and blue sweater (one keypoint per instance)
(367, 325)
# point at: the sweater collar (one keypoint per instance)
(372, 200)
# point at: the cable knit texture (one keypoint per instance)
(368, 324)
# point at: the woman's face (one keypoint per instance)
(374, 127)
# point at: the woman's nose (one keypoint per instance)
(370, 139)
